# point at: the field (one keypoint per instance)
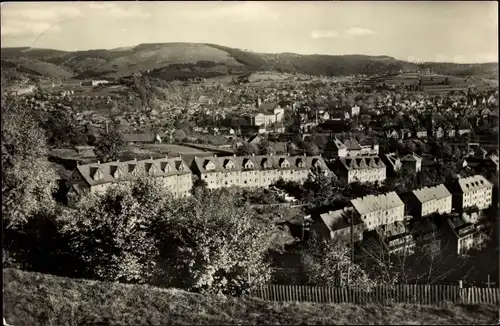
(171, 150)
(433, 83)
(38, 299)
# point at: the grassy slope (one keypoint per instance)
(125, 61)
(38, 299)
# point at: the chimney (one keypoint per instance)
(234, 155)
(135, 159)
(304, 154)
(215, 155)
(151, 157)
(253, 154)
(98, 162)
(166, 157)
(117, 161)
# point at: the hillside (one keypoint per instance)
(39, 299)
(197, 59)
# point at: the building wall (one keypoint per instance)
(212, 179)
(464, 244)
(366, 175)
(382, 217)
(253, 178)
(441, 206)
(184, 184)
(481, 198)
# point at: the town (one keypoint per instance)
(207, 169)
(421, 161)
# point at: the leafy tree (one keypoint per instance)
(320, 189)
(199, 186)
(109, 147)
(328, 263)
(265, 148)
(247, 149)
(310, 148)
(61, 129)
(212, 245)
(28, 180)
(111, 233)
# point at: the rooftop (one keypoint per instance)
(362, 162)
(431, 193)
(473, 183)
(337, 220)
(371, 203)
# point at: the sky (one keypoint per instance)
(444, 31)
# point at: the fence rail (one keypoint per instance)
(412, 294)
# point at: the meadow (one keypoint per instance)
(40, 299)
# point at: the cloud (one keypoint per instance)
(117, 11)
(45, 13)
(358, 31)
(325, 34)
(247, 11)
(28, 20)
(23, 29)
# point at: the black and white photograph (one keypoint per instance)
(250, 163)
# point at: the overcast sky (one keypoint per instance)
(416, 31)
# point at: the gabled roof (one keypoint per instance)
(352, 144)
(361, 162)
(371, 203)
(426, 194)
(392, 159)
(411, 158)
(126, 167)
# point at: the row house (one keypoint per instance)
(378, 210)
(429, 200)
(255, 171)
(337, 224)
(96, 177)
(471, 191)
(359, 169)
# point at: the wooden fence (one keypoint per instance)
(411, 294)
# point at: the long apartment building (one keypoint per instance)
(428, 200)
(97, 177)
(254, 171)
(472, 191)
(379, 210)
(359, 169)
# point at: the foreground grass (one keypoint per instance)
(39, 299)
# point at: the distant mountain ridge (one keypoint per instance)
(173, 60)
